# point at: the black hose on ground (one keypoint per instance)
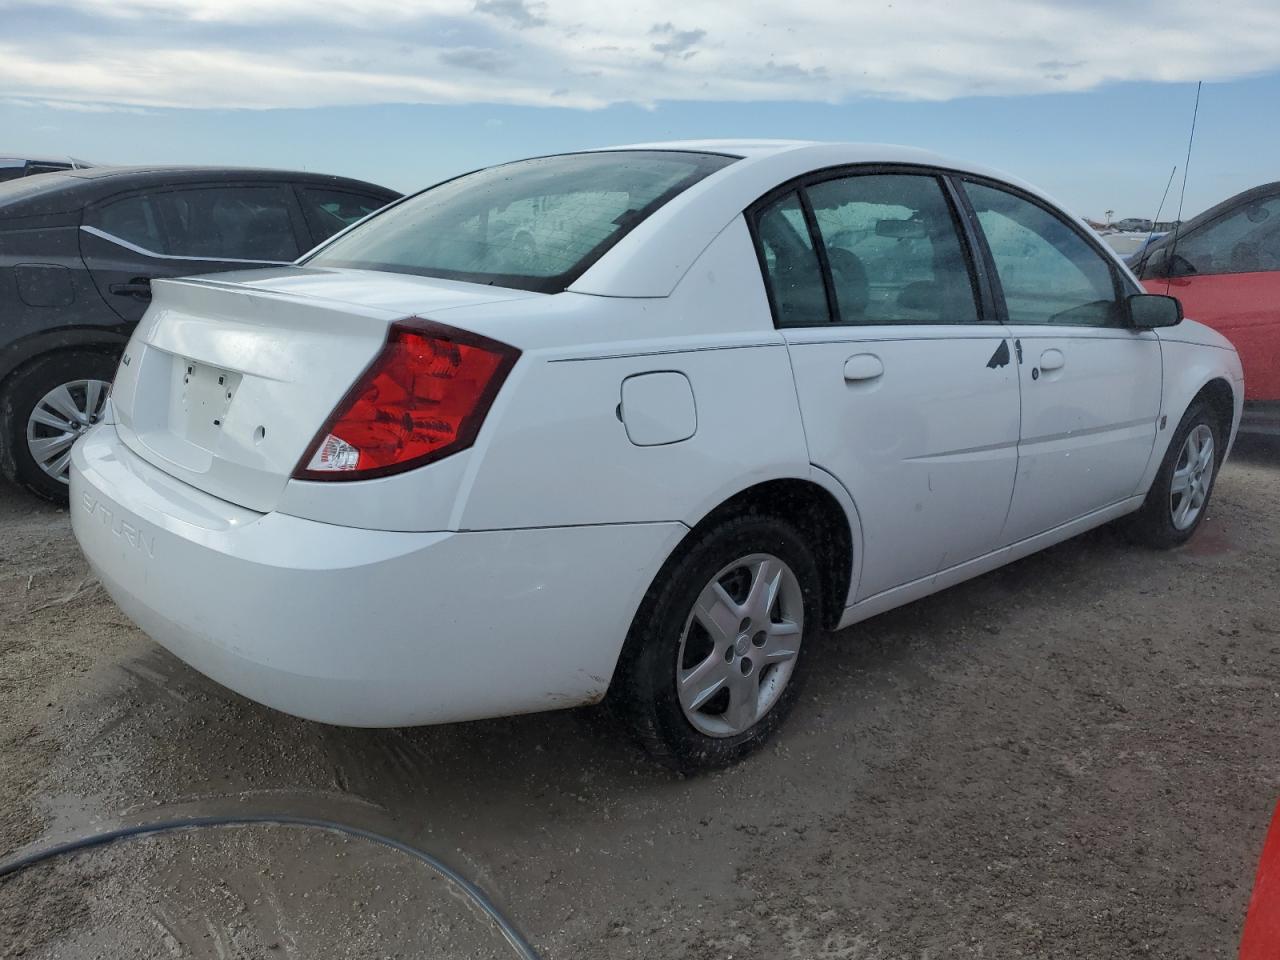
(477, 896)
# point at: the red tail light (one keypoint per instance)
(423, 398)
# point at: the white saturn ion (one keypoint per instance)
(634, 424)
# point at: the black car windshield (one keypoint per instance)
(532, 225)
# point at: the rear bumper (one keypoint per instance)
(361, 627)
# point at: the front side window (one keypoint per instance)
(533, 225)
(1246, 240)
(1049, 273)
(208, 223)
(791, 270)
(894, 250)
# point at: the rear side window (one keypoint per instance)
(894, 250)
(533, 225)
(135, 219)
(1049, 273)
(329, 211)
(791, 269)
(207, 223)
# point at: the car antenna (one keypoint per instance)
(1177, 224)
(1164, 196)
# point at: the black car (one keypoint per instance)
(78, 250)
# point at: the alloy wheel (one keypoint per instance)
(1192, 476)
(739, 646)
(58, 420)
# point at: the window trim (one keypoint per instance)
(1121, 285)
(986, 305)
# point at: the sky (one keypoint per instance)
(1091, 100)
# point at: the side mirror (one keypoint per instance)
(1150, 310)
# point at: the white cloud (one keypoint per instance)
(584, 53)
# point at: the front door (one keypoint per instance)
(1090, 384)
(908, 398)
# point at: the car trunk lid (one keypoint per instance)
(228, 378)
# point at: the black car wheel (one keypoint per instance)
(44, 408)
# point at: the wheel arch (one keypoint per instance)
(1194, 372)
(820, 508)
(22, 353)
(1222, 400)
(20, 356)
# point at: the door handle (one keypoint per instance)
(138, 287)
(863, 366)
(1052, 360)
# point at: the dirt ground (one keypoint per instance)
(1073, 757)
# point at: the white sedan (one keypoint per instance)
(634, 423)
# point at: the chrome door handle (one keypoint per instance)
(1052, 360)
(863, 366)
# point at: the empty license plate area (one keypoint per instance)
(204, 396)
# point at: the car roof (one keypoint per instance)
(70, 190)
(650, 260)
(41, 158)
(179, 173)
(852, 152)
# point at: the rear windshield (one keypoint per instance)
(533, 225)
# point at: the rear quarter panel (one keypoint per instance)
(558, 452)
(552, 450)
(47, 299)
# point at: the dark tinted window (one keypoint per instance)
(135, 219)
(1246, 240)
(329, 211)
(1049, 273)
(11, 173)
(215, 223)
(534, 225)
(894, 250)
(791, 269)
(34, 168)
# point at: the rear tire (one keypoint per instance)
(1178, 500)
(34, 452)
(714, 658)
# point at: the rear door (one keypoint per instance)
(1090, 384)
(908, 397)
(1227, 275)
(129, 240)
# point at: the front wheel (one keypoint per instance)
(1179, 496)
(713, 660)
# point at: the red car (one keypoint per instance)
(1225, 268)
